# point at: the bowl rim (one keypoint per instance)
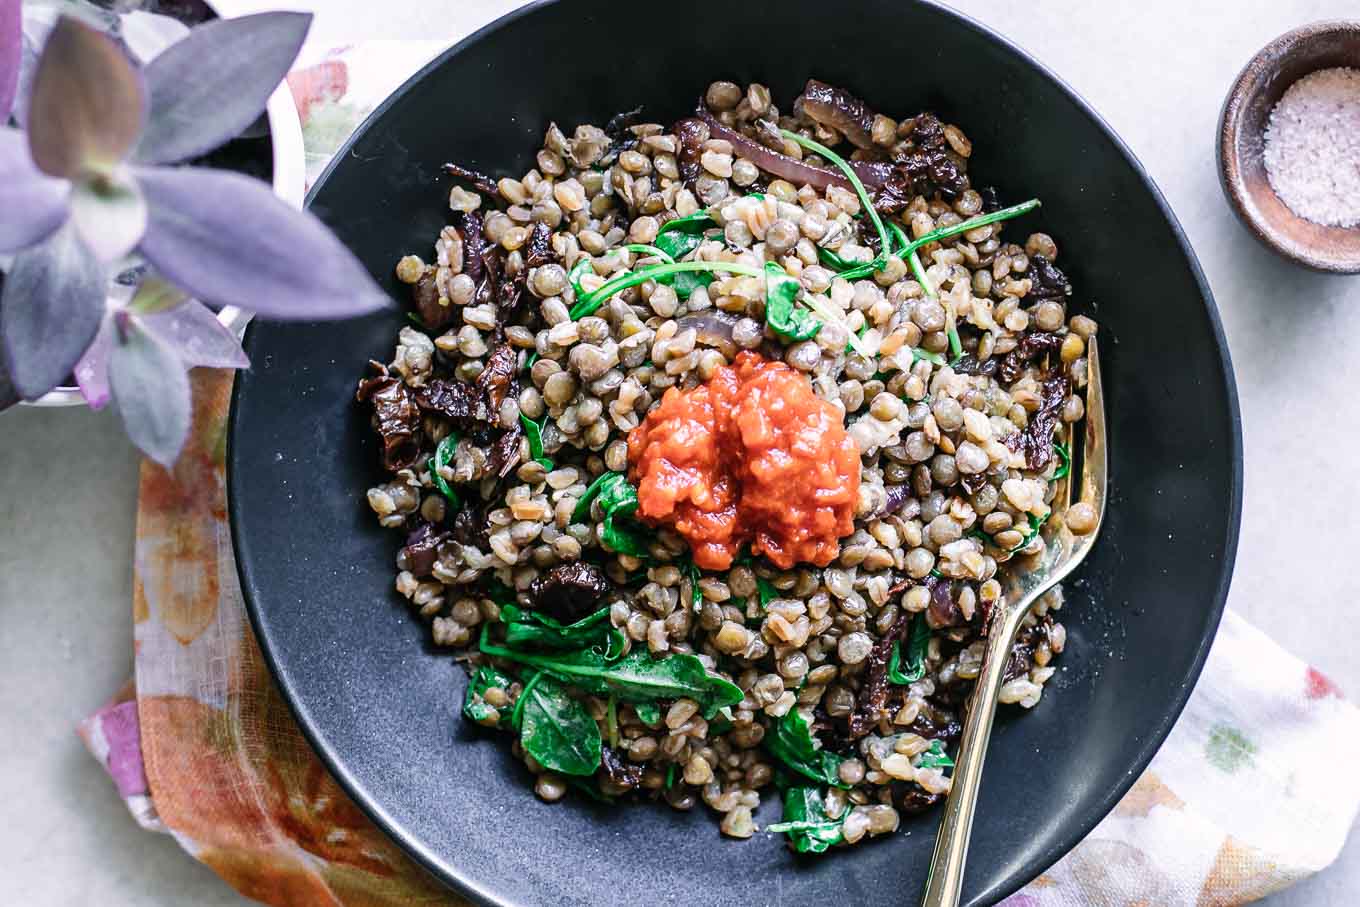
(1229, 160)
(1138, 763)
(289, 183)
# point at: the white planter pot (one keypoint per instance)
(290, 173)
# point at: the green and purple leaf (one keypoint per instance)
(34, 203)
(151, 390)
(53, 303)
(88, 105)
(228, 240)
(11, 54)
(206, 89)
(110, 213)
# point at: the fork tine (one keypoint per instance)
(1093, 471)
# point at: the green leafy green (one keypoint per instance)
(648, 712)
(973, 223)
(670, 776)
(578, 271)
(556, 729)
(532, 630)
(534, 432)
(691, 571)
(1065, 461)
(767, 592)
(618, 501)
(782, 313)
(474, 703)
(637, 677)
(934, 757)
(919, 355)
(644, 249)
(588, 787)
(442, 455)
(790, 741)
(917, 645)
(809, 827)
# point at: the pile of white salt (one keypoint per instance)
(1312, 147)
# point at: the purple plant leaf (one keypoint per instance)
(229, 241)
(34, 204)
(151, 390)
(92, 371)
(193, 331)
(208, 88)
(11, 54)
(110, 214)
(148, 34)
(88, 104)
(53, 302)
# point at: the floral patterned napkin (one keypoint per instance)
(201, 745)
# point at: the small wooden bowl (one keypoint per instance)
(1241, 141)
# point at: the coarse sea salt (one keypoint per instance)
(1312, 147)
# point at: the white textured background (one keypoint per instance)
(1157, 70)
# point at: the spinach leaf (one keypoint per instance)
(587, 304)
(637, 677)
(644, 249)
(686, 282)
(806, 822)
(1065, 461)
(618, 500)
(530, 630)
(557, 730)
(534, 432)
(679, 243)
(694, 224)
(790, 741)
(916, 654)
(474, 705)
(588, 787)
(782, 313)
(767, 591)
(934, 757)
(442, 455)
(648, 713)
(670, 776)
(691, 571)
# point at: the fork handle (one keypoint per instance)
(944, 886)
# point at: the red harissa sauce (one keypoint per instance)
(751, 455)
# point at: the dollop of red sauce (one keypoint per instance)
(751, 455)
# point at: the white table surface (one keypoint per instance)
(1157, 69)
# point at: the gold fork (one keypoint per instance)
(1063, 551)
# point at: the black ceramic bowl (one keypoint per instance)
(382, 707)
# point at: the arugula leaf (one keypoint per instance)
(686, 282)
(648, 712)
(809, 827)
(530, 629)
(475, 707)
(934, 757)
(790, 741)
(916, 654)
(442, 455)
(693, 224)
(782, 313)
(558, 730)
(919, 355)
(534, 432)
(637, 677)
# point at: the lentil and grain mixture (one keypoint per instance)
(708, 443)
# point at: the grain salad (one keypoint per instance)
(709, 442)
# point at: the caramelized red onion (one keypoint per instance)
(838, 109)
(712, 328)
(871, 173)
